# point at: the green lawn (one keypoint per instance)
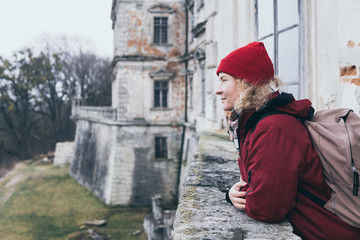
(47, 203)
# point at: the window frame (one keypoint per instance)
(163, 30)
(161, 147)
(161, 97)
(275, 36)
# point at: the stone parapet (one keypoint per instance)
(97, 113)
(203, 212)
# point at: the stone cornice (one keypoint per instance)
(135, 58)
(162, 75)
(161, 8)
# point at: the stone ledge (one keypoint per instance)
(203, 212)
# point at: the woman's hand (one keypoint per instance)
(236, 196)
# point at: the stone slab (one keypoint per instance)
(63, 153)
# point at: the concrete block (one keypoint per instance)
(64, 152)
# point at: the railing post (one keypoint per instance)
(76, 103)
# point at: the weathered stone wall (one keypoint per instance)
(93, 145)
(203, 212)
(135, 90)
(133, 27)
(117, 161)
(330, 46)
(135, 150)
(350, 76)
(138, 61)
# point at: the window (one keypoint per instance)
(161, 93)
(160, 147)
(278, 28)
(160, 30)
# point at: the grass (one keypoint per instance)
(48, 204)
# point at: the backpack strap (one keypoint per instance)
(356, 174)
(269, 114)
(312, 197)
(301, 190)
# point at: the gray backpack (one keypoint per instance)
(336, 136)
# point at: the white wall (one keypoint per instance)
(330, 26)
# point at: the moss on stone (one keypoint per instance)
(190, 231)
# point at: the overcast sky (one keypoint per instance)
(23, 22)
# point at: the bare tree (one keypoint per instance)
(17, 101)
(36, 92)
(92, 77)
(52, 88)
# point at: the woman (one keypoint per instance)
(276, 156)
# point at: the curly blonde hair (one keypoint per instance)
(253, 96)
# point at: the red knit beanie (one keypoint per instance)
(250, 63)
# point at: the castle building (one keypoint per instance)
(132, 151)
(163, 91)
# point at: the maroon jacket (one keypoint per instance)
(277, 157)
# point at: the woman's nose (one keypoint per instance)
(218, 90)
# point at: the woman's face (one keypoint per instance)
(228, 91)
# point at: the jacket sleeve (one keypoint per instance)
(273, 162)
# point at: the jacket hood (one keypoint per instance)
(284, 102)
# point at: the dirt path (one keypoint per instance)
(16, 175)
(13, 177)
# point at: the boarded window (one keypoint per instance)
(161, 93)
(160, 147)
(160, 30)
